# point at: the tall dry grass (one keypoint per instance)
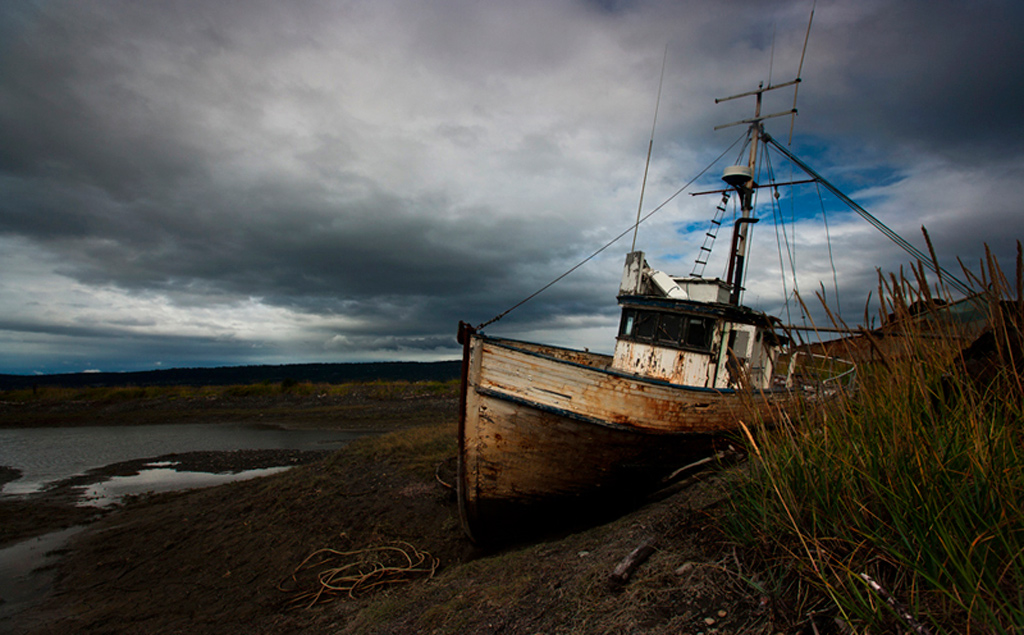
(902, 504)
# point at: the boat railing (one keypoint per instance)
(845, 378)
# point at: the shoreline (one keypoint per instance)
(59, 504)
(366, 409)
(226, 559)
(363, 409)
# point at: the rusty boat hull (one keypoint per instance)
(551, 436)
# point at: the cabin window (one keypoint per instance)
(698, 332)
(646, 325)
(670, 328)
(667, 329)
(628, 317)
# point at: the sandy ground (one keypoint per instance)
(376, 522)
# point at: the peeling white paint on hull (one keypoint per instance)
(550, 433)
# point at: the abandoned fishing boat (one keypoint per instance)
(547, 433)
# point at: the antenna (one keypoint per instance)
(799, 71)
(742, 177)
(650, 146)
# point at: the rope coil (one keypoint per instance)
(352, 573)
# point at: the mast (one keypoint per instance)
(746, 191)
(741, 177)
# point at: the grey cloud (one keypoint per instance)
(930, 75)
(384, 169)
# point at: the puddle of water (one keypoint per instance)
(47, 455)
(26, 575)
(23, 578)
(20, 488)
(161, 479)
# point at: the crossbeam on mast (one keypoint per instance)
(784, 113)
(756, 187)
(758, 91)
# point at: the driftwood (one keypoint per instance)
(719, 458)
(900, 610)
(624, 571)
(443, 465)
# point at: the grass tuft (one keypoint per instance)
(418, 449)
(903, 504)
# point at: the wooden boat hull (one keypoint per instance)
(550, 435)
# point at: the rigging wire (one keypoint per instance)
(779, 221)
(790, 245)
(743, 148)
(792, 224)
(611, 242)
(776, 216)
(943, 274)
(831, 260)
(792, 221)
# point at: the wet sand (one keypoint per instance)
(226, 559)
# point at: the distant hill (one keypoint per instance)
(326, 373)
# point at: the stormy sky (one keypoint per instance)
(197, 183)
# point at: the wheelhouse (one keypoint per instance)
(685, 331)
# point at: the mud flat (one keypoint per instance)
(371, 408)
(224, 559)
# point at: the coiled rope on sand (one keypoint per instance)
(358, 571)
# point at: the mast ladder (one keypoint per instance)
(709, 238)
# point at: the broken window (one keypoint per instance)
(667, 329)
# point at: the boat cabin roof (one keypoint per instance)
(717, 310)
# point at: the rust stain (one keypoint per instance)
(515, 457)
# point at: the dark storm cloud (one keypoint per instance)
(937, 76)
(238, 181)
(110, 162)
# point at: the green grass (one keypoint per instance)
(418, 449)
(916, 481)
(388, 390)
